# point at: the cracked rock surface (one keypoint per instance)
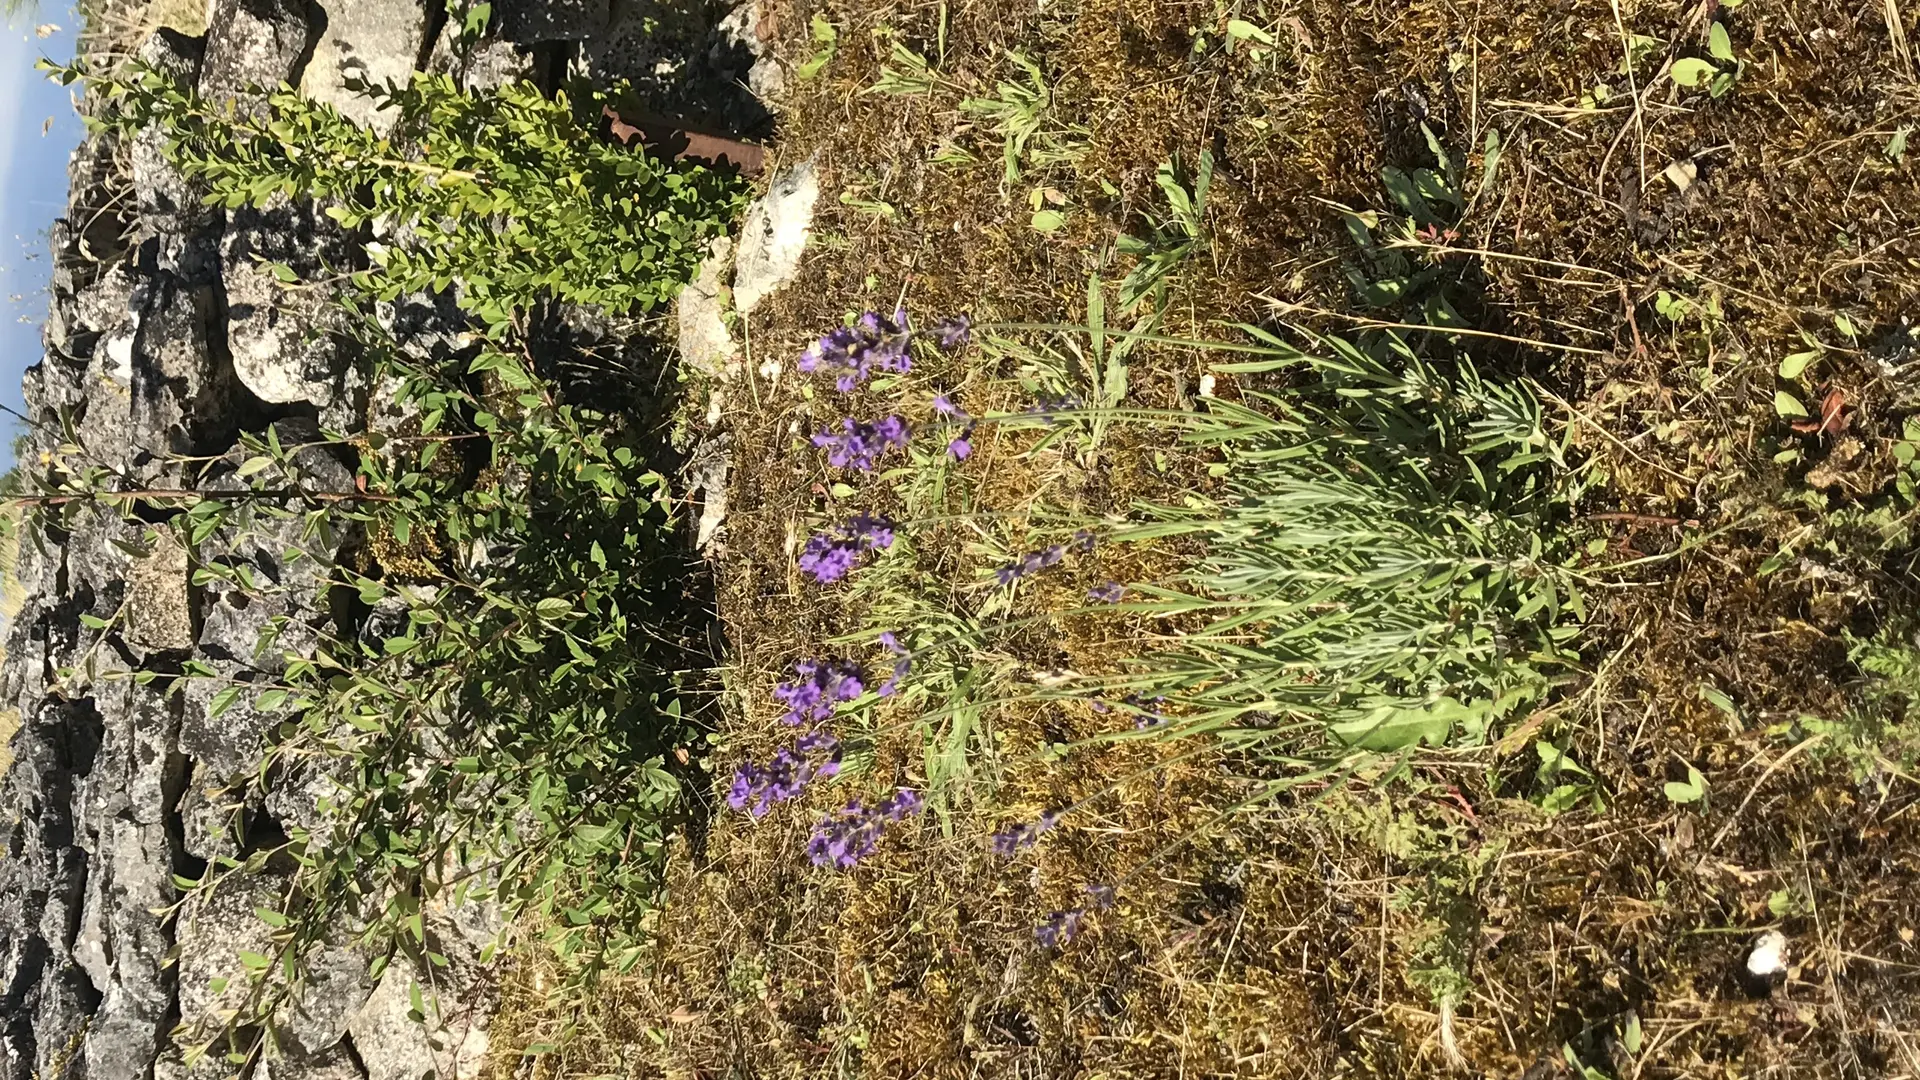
(167, 339)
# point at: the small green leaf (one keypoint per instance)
(842, 490)
(270, 917)
(1719, 701)
(222, 701)
(1048, 221)
(1794, 363)
(1692, 72)
(1786, 405)
(1719, 44)
(1630, 1034)
(552, 607)
(1490, 153)
(1689, 792)
(1242, 30)
(253, 465)
(253, 961)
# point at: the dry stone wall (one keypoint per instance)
(166, 341)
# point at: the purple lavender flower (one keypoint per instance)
(756, 788)
(1147, 712)
(901, 667)
(860, 444)
(829, 558)
(1046, 406)
(816, 688)
(1109, 593)
(832, 555)
(1060, 928)
(875, 532)
(1101, 895)
(874, 343)
(843, 838)
(1010, 841)
(953, 333)
(905, 803)
(1031, 563)
(961, 445)
(1083, 542)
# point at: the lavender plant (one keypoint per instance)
(1377, 568)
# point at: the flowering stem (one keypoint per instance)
(1156, 339)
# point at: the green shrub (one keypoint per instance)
(508, 733)
(509, 194)
(509, 723)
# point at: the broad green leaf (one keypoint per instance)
(1786, 405)
(222, 701)
(1691, 791)
(1490, 161)
(1242, 30)
(1554, 760)
(1794, 363)
(1048, 221)
(1398, 729)
(1692, 72)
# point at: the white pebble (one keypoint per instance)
(1769, 955)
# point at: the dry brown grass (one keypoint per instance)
(1283, 944)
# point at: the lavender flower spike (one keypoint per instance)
(1109, 593)
(816, 688)
(860, 444)
(1060, 928)
(954, 333)
(1010, 841)
(756, 788)
(842, 839)
(901, 667)
(832, 555)
(1030, 563)
(961, 445)
(874, 343)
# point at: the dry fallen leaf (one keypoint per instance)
(1833, 418)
